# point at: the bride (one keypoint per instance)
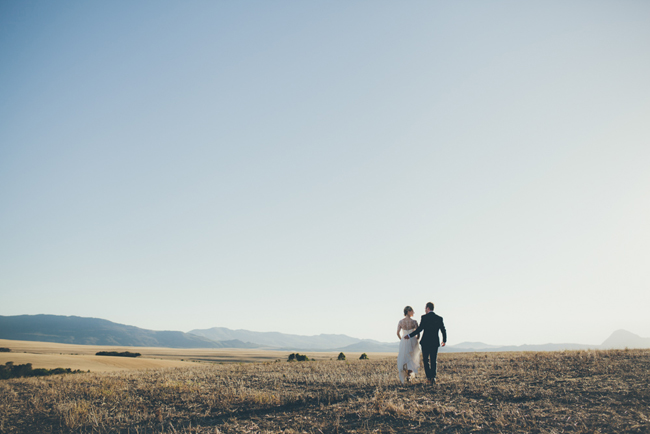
(408, 359)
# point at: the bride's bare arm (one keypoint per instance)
(399, 328)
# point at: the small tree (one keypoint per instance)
(292, 357)
(341, 356)
(364, 356)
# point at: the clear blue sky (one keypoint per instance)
(313, 167)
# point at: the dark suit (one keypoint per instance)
(430, 324)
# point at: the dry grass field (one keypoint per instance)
(52, 355)
(576, 392)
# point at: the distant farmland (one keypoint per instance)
(577, 392)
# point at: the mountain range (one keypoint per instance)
(95, 331)
(283, 341)
(620, 339)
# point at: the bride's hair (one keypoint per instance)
(407, 309)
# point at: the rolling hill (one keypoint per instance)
(95, 331)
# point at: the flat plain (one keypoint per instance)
(552, 392)
(53, 355)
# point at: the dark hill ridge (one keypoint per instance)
(95, 331)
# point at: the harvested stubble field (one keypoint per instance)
(577, 391)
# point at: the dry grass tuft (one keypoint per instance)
(576, 392)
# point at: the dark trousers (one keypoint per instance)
(430, 360)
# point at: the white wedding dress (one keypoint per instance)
(408, 358)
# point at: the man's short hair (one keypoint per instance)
(430, 305)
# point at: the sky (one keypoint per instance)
(314, 167)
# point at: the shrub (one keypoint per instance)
(5, 350)
(9, 370)
(297, 357)
(364, 356)
(341, 356)
(116, 354)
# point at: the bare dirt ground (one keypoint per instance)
(555, 392)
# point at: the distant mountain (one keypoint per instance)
(620, 339)
(95, 331)
(370, 346)
(474, 346)
(623, 339)
(493, 348)
(278, 340)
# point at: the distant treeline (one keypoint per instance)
(5, 350)
(9, 370)
(115, 353)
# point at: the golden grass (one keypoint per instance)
(53, 355)
(573, 391)
(88, 363)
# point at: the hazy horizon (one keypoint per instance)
(313, 167)
(620, 338)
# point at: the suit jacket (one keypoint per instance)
(431, 324)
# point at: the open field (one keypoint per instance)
(572, 391)
(52, 355)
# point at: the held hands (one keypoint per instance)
(407, 337)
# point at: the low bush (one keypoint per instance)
(9, 370)
(5, 350)
(117, 354)
(297, 358)
(341, 356)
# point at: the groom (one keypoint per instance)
(430, 341)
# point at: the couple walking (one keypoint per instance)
(408, 359)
